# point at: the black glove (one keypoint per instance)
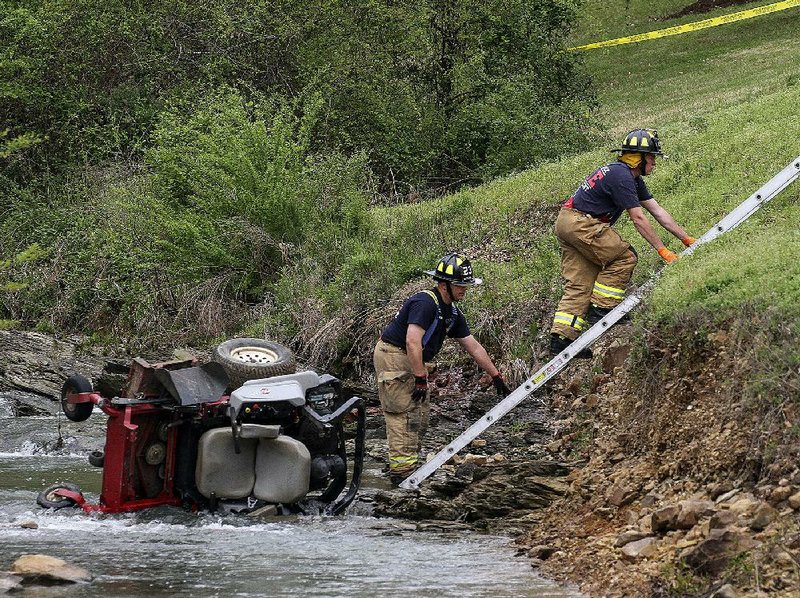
(420, 391)
(500, 386)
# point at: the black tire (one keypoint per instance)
(246, 359)
(97, 458)
(76, 412)
(50, 499)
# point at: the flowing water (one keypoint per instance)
(167, 551)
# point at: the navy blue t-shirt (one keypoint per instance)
(609, 191)
(422, 310)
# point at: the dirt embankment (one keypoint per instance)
(671, 471)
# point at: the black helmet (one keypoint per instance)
(456, 269)
(644, 141)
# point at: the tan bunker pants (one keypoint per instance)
(406, 421)
(596, 264)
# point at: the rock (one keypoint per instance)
(780, 494)
(664, 518)
(794, 501)
(9, 582)
(48, 569)
(615, 356)
(619, 496)
(554, 446)
(640, 549)
(726, 591)
(628, 537)
(727, 495)
(592, 400)
(720, 488)
(691, 512)
(476, 459)
(764, 515)
(650, 499)
(541, 552)
(722, 519)
(39, 364)
(478, 443)
(29, 525)
(745, 505)
(712, 555)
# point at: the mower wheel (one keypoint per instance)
(76, 412)
(49, 498)
(246, 359)
(97, 458)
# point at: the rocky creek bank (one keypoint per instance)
(624, 489)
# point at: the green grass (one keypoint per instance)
(725, 101)
(677, 82)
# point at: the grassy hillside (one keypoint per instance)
(724, 100)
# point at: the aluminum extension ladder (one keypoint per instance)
(741, 213)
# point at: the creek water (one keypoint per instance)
(169, 552)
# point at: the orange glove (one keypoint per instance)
(667, 255)
(688, 241)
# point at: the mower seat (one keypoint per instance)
(270, 466)
(220, 472)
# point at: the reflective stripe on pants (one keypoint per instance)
(406, 421)
(596, 264)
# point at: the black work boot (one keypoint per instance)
(598, 313)
(558, 343)
(397, 478)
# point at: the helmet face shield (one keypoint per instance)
(456, 269)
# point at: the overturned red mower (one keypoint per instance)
(174, 437)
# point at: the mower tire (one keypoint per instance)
(246, 359)
(97, 458)
(76, 412)
(49, 498)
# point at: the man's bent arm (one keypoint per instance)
(414, 336)
(664, 218)
(642, 225)
(479, 354)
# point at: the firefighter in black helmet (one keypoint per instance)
(596, 262)
(404, 353)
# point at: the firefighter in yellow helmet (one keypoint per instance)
(404, 353)
(596, 262)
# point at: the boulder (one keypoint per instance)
(745, 505)
(37, 363)
(541, 552)
(628, 537)
(763, 516)
(615, 356)
(640, 549)
(722, 519)
(794, 501)
(664, 518)
(45, 569)
(780, 494)
(691, 511)
(619, 495)
(712, 555)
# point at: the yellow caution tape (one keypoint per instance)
(704, 24)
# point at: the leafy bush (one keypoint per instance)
(189, 247)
